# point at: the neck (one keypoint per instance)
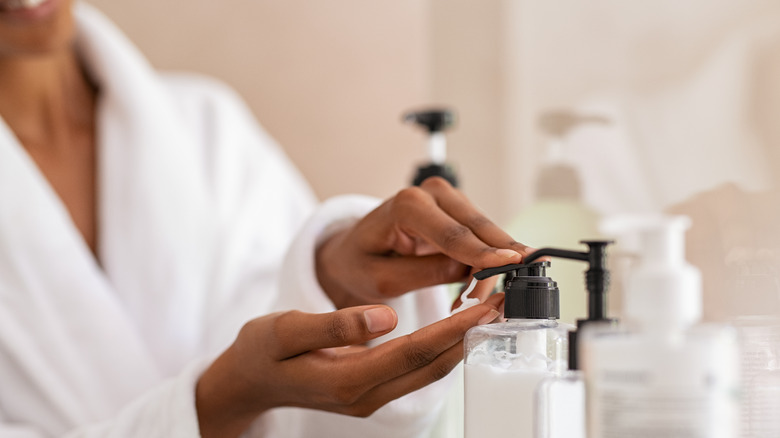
(45, 98)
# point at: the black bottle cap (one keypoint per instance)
(530, 294)
(543, 297)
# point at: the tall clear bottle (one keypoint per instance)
(505, 362)
(662, 374)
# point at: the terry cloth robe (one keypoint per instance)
(203, 226)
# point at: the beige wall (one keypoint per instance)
(328, 79)
(469, 73)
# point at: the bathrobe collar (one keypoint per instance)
(56, 301)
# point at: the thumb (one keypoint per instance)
(300, 332)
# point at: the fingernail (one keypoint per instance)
(507, 253)
(379, 319)
(490, 316)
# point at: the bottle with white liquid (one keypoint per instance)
(505, 362)
(661, 374)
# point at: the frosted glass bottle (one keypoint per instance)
(764, 400)
(646, 381)
(662, 374)
(759, 338)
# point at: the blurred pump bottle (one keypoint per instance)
(559, 217)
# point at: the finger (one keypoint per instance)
(419, 214)
(299, 332)
(456, 204)
(354, 374)
(386, 392)
(416, 350)
(413, 380)
(394, 276)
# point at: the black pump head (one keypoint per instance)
(444, 171)
(596, 279)
(597, 283)
(434, 120)
(530, 294)
(597, 275)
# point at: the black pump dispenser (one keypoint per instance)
(530, 294)
(435, 122)
(596, 279)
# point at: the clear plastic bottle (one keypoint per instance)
(505, 362)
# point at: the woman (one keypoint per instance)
(145, 220)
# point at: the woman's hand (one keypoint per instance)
(318, 361)
(423, 236)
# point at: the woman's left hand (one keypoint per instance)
(423, 236)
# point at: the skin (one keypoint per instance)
(422, 236)
(301, 368)
(50, 105)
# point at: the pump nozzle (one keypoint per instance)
(597, 282)
(662, 287)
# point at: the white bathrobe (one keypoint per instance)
(197, 208)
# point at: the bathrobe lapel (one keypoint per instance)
(151, 230)
(157, 234)
(55, 303)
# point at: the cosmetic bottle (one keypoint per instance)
(435, 122)
(505, 362)
(517, 374)
(764, 400)
(560, 402)
(755, 281)
(661, 373)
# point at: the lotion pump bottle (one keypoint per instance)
(661, 374)
(505, 362)
(550, 402)
(435, 121)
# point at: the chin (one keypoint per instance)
(47, 30)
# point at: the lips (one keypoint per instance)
(29, 11)
(13, 5)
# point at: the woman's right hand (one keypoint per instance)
(319, 361)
